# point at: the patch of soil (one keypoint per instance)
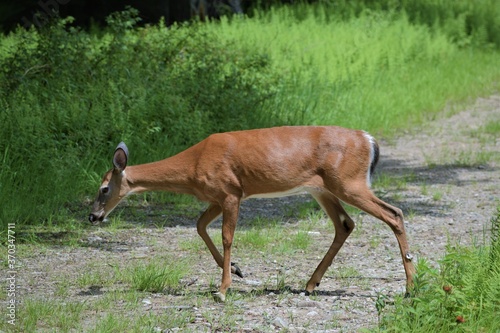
(449, 192)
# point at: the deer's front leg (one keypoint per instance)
(230, 211)
(212, 212)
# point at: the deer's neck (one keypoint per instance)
(171, 174)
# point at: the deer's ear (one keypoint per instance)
(121, 157)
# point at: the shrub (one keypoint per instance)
(68, 96)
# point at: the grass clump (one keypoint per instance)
(264, 235)
(148, 322)
(59, 316)
(158, 275)
(462, 296)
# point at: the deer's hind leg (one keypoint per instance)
(343, 224)
(360, 196)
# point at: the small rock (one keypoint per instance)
(312, 314)
(308, 304)
(94, 239)
(280, 322)
(252, 313)
(253, 282)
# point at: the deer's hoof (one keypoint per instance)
(219, 297)
(236, 270)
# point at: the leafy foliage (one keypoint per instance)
(68, 97)
(463, 296)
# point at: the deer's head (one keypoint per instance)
(113, 186)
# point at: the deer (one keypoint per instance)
(331, 163)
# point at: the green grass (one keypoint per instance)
(438, 195)
(157, 275)
(493, 128)
(461, 296)
(272, 238)
(269, 236)
(74, 94)
(51, 315)
(342, 72)
(472, 273)
(47, 313)
(112, 322)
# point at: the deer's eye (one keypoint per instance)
(105, 190)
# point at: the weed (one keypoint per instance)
(493, 128)
(386, 181)
(461, 296)
(424, 189)
(437, 196)
(280, 281)
(410, 214)
(111, 322)
(304, 209)
(64, 317)
(375, 241)
(346, 275)
(194, 245)
(158, 275)
(315, 218)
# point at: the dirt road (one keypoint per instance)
(445, 177)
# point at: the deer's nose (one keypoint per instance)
(93, 218)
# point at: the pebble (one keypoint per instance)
(253, 282)
(312, 314)
(308, 304)
(280, 322)
(94, 239)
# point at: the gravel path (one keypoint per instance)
(445, 177)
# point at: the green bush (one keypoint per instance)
(67, 97)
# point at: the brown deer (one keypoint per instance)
(331, 163)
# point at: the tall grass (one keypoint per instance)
(464, 22)
(68, 96)
(376, 71)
